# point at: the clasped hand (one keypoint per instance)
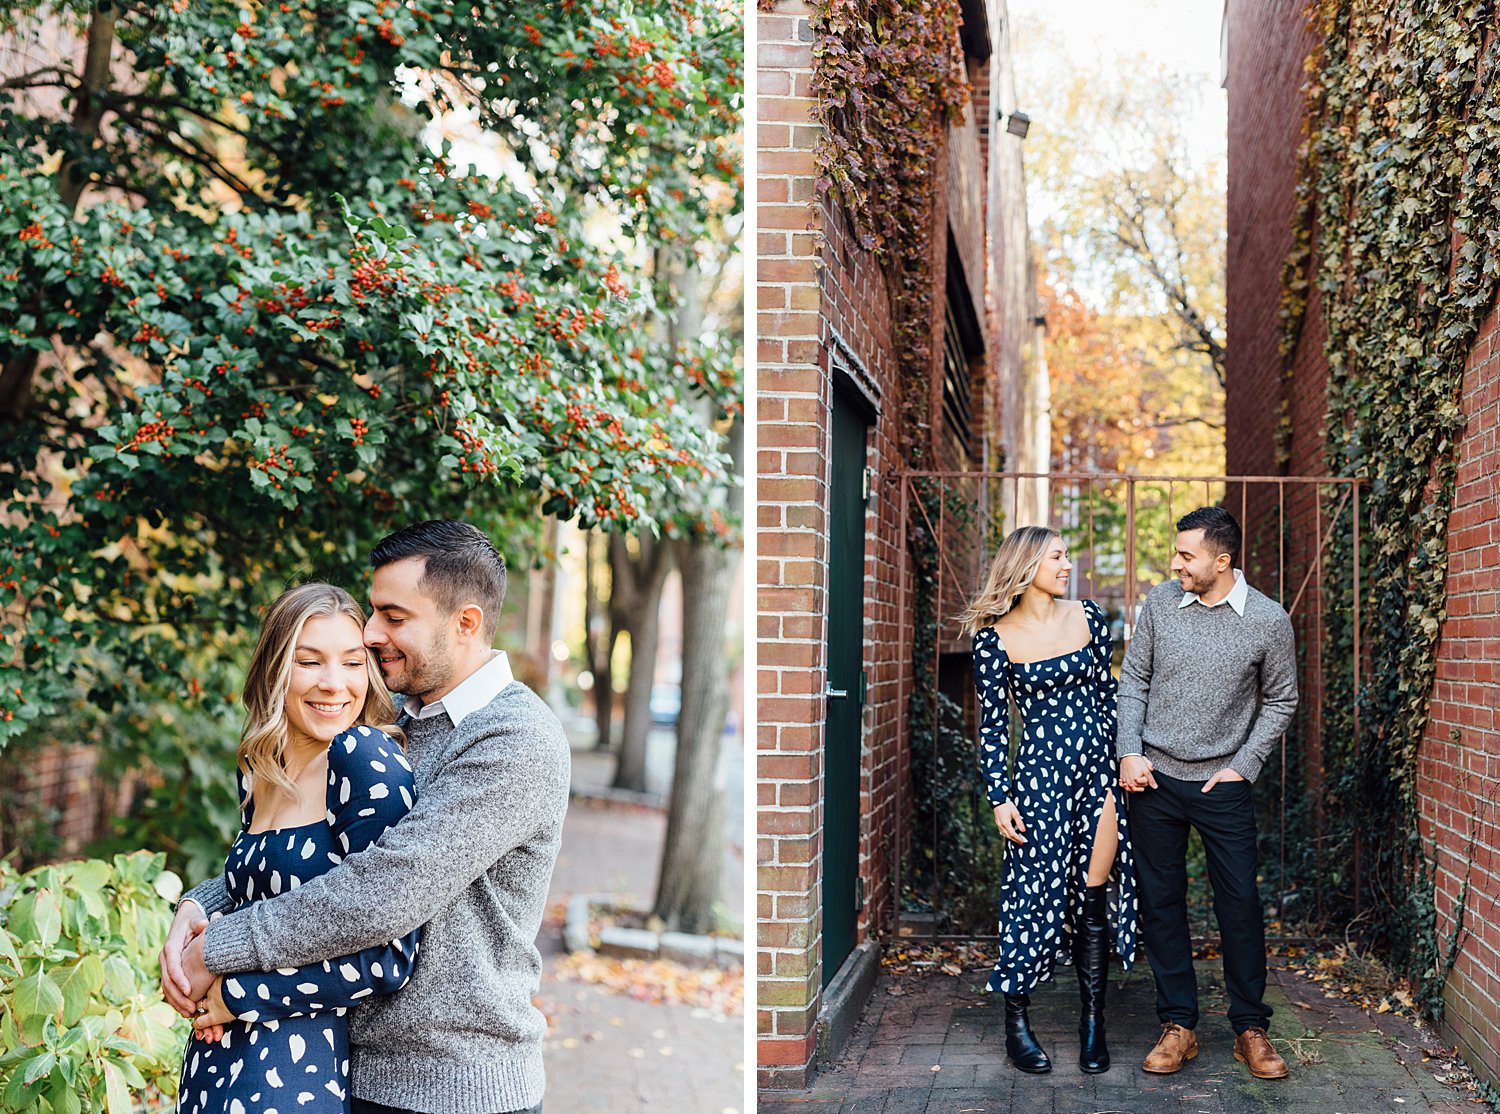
(1137, 774)
(187, 984)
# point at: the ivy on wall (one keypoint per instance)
(1397, 229)
(888, 79)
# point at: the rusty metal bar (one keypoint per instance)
(1093, 565)
(1281, 544)
(937, 657)
(1318, 557)
(1129, 559)
(1281, 599)
(947, 571)
(1358, 876)
(1245, 537)
(903, 723)
(1141, 477)
(942, 557)
(1315, 709)
(1197, 941)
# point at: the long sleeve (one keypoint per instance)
(371, 784)
(211, 895)
(992, 680)
(1104, 646)
(1278, 701)
(491, 792)
(1134, 687)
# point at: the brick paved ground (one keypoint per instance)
(936, 1045)
(606, 1051)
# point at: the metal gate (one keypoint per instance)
(1120, 529)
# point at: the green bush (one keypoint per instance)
(82, 1023)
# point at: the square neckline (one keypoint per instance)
(247, 808)
(1088, 618)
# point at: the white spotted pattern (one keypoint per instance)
(1064, 768)
(288, 1049)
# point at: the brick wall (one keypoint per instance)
(1267, 42)
(59, 802)
(822, 311)
(1460, 757)
(1460, 761)
(792, 418)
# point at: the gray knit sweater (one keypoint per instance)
(1202, 687)
(472, 860)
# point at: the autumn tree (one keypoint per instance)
(259, 304)
(1131, 231)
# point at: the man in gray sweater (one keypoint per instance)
(472, 860)
(1208, 685)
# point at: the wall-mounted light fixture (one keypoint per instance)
(1018, 124)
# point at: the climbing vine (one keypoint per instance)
(1397, 230)
(953, 865)
(888, 77)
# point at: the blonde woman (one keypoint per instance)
(1058, 808)
(317, 782)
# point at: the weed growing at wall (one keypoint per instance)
(1398, 231)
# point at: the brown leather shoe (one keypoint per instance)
(1175, 1045)
(1253, 1048)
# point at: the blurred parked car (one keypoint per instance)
(666, 704)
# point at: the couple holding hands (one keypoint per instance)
(371, 943)
(1207, 686)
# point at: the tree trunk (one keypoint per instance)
(19, 369)
(639, 581)
(693, 857)
(600, 633)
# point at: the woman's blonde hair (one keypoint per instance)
(266, 735)
(1011, 573)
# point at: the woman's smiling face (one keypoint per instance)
(1054, 569)
(329, 679)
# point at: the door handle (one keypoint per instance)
(835, 694)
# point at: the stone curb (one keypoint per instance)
(603, 794)
(639, 943)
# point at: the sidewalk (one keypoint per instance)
(606, 1050)
(936, 1045)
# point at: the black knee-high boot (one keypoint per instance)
(1091, 957)
(1020, 1044)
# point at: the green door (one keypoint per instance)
(845, 687)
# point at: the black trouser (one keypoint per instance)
(363, 1107)
(1225, 819)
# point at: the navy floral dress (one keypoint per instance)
(1065, 766)
(288, 1050)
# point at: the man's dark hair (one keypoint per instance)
(462, 566)
(1221, 531)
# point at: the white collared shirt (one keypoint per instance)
(473, 692)
(1236, 598)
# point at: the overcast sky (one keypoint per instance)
(1182, 35)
